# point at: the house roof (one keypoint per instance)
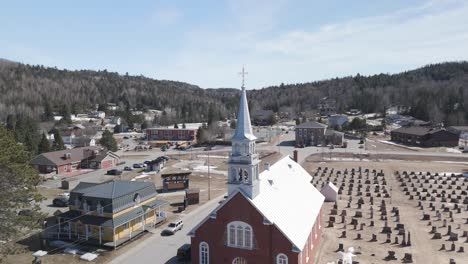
(57, 158)
(312, 124)
(287, 200)
(416, 130)
(111, 189)
(102, 155)
(333, 132)
(243, 127)
(459, 128)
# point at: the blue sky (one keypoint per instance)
(207, 42)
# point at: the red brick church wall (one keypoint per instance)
(268, 240)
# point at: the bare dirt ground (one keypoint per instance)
(423, 248)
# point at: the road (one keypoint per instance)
(157, 249)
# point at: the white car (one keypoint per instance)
(173, 227)
(64, 195)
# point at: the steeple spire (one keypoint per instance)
(243, 160)
(243, 125)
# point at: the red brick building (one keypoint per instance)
(69, 160)
(268, 217)
(172, 134)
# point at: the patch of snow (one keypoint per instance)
(39, 253)
(451, 150)
(204, 168)
(213, 156)
(89, 256)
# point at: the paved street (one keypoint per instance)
(158, 249)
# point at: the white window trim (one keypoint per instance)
(243, 225)
(207, 252)
(278, 258)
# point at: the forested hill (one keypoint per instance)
(30, 89)
(436, 92)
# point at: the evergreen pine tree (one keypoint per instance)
(44, 145)
(58, 141)
(18, 186)
(108, 141)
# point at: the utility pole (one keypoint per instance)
(209, 178)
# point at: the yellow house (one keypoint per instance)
(110, 213)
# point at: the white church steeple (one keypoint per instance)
(243, 160)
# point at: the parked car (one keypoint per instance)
(173, 227)
(65, 195)
(114, 172)
(126, 137)
(147, 161)
(128, 168)
(137, 165)
(208, 148)
(165, 157)
(60, 202)
(183, 253)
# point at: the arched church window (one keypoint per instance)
(204, 253)
(240, 235)
(239, 260)
(281, 259)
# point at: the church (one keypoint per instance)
(268, 217)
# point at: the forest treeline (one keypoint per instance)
(437, 93)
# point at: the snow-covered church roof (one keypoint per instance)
(287, 200)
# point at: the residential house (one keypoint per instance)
(268, 217)
(405, 120)
(97, 114)
(109, 213)
(337, 120)
(69, 160)
(327, 106)
(100, 160)
(112, 107)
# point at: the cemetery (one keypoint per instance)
(386, 212)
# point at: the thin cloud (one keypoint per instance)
(166, 16)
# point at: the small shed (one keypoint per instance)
(175, 181)
(330, 191)
(155, 165)
(192, 195)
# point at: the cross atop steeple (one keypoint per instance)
(243, 73)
